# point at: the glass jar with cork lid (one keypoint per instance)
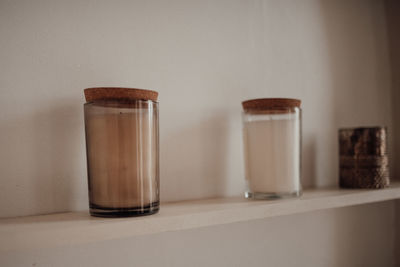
(272, 147)
(122, 145)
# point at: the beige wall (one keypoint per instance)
(204, 57)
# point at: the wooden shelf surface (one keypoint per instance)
(72, 228)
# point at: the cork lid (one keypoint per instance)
(119, 93)
(261, 104)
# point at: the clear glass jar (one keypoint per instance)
(122, 146)
(272, 147)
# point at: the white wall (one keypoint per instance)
(204, 57)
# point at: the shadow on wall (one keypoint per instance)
(393, 21)
(56, 132)
(360, 81)
(308, 158)
(359, 69)
(44, 163)
(194, 160)
(58, 156)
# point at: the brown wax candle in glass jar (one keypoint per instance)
(122, 145)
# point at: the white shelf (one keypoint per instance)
(45, 231)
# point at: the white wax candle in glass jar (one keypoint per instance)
(272, 147)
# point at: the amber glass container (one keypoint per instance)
(122, 146)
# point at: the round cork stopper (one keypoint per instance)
(270, 104)
(119, 93)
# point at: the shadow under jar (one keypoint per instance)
(272, 143)
(122, 146)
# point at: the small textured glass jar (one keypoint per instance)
(363, 157)
(272, 147)
(122, 146)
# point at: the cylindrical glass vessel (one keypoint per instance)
(122, 146)
(272, 147)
